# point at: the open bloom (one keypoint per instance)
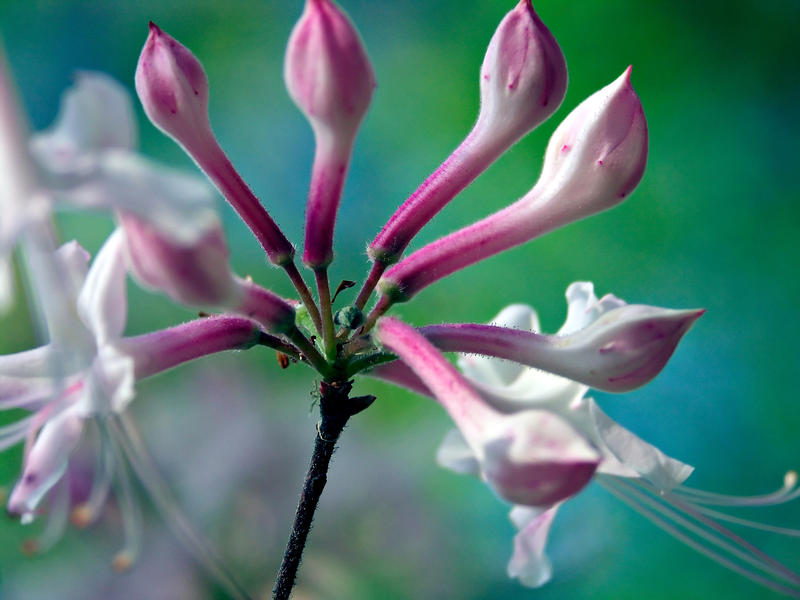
(630, 468)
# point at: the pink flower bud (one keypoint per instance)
(173, 88)
(330, 78)
(533, 457)
(523, 81)
(327, 71)
(523, 76)
(621, 350)
(196, 273)
(271, 311)
(594, 159)
(597, 156)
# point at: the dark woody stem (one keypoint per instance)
(336, 407)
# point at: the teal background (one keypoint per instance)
(713, 224)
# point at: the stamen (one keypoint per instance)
(13, 433)
(85, 514)
(129, 510)
(728, 542)
(127, 436)
(748, 523)
(786, 493)
(56, 518)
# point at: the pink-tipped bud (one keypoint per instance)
(597, 156)
(173, 88)
(533, 457)
(523, 76)
(327, 71)
(523, 79)
(196, 272)
(330, 78)
(620, 350)
(594, 160)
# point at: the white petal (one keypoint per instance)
(634, 453)
(30, 363)
(495, 371)
(529, 563)
(6, 283)
(46, 462)
(102, 303)
(96, 115)
(583, 307)
(180, 205)
(110, 385)
(533, 389)
(455, 454)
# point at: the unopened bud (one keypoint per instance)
(523, 80)
(196, 273)
(173, 88)
(523, 76)
(594, 159)
(597, 156)
(327, 71)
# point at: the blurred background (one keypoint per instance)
(714, 224)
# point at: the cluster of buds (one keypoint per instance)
(535, 446)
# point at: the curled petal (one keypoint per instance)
(102, 303)
(529, 563)
(46, 462)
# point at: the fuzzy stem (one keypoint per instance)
(328, 333)
(305, 294)
(336, 409)
(374, 276)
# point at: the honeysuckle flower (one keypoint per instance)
(532, 436)
(91, 381)
(523, 80)
(630, 468)
(330, 78)
(593, 160)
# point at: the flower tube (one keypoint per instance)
(523, 80)
(533, 457)
(593, 160)
(330, 78)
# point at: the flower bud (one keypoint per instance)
(196, 273)
(523, 76)
(173, 88)
(594, 159)
(327, 71)
(533, 457)
(523, 81)
(621, 350)
(597, 155)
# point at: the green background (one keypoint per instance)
(713, 224)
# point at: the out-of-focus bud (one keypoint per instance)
(532, 457)
(173, 88)
(330, 78)
(621, 350)
(272, 312)
(196, 273)
(523, 80)
(327, 71)
(523, 76)
(594, 160)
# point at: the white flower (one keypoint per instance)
(80, 374)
